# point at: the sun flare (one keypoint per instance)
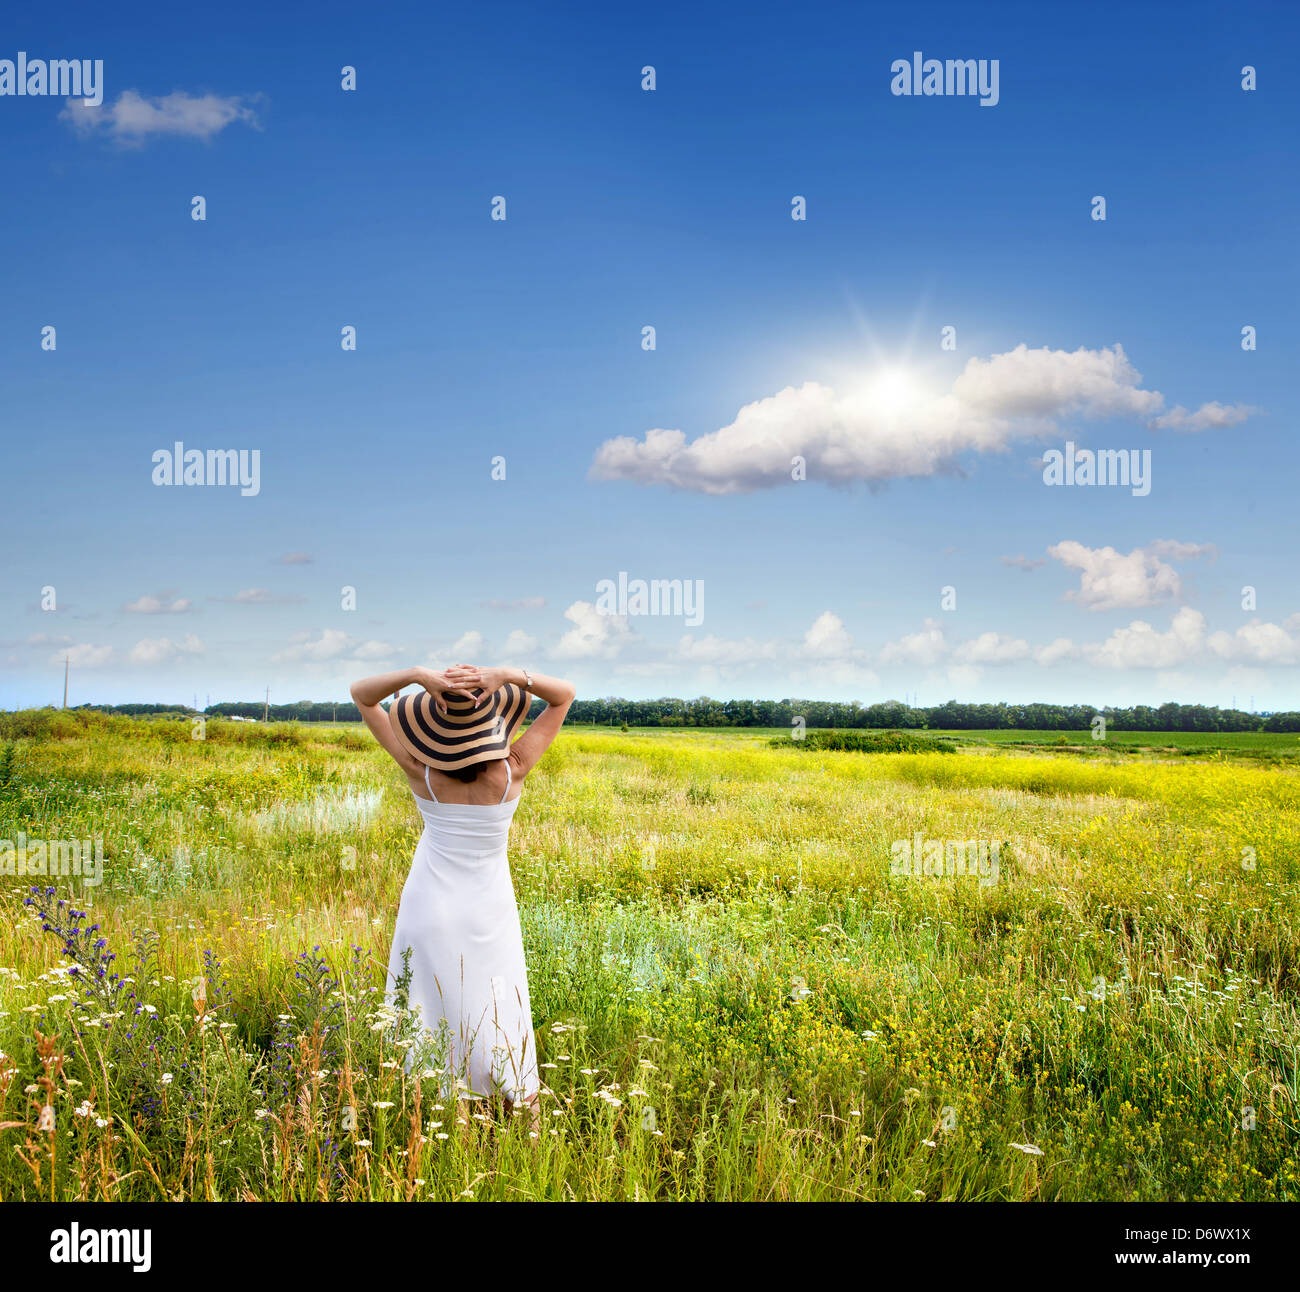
(893, 390)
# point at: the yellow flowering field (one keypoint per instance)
(756, 973)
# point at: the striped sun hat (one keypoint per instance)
(462, 736)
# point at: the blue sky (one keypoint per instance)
(522, 339)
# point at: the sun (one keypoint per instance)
(892, 391)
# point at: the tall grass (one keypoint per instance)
(733, 996)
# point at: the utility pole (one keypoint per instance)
(266, 711)
(67, 662)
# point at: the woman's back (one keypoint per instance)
(495, 783)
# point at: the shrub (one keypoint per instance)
(869, 742)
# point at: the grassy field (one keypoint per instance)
(734, 996)
(1243, 743)
(1281, 743)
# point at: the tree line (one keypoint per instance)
(705, 711)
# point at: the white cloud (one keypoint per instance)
(831, 656)
(1142, 646)
(467, 647)
(519, 603)
(964, 674)
(83, 655)
(875, 435)
(1211, 416)
(827, 638)
(826, 652)
(924, 648)
(1257, 643)
(593, 635)
(373, 650)
(1058, 649)
(712, 649)
(332, 644)
(159, 605)
(136, 117)
(519, 643)
(1139, 645)
(1114, 581)
(160, 650)
(1047, 383)
(991, 648)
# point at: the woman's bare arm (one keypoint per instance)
(368, 692)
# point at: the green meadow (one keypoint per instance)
(738, 992)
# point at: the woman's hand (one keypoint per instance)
(486, 679)
(440, 684)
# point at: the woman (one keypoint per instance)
(458, 915)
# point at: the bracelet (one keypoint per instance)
(528, 679)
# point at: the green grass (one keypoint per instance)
(1205, 741)
(734, 995)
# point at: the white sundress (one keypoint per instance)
(459, 916)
